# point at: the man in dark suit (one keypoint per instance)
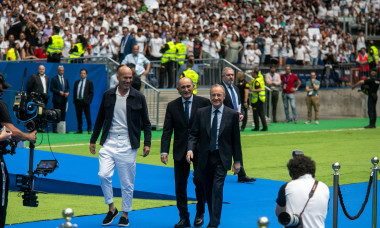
(216, 131)
(179, 117)
(126, 44)
(39, 83)
(233, 101)
(60, 88)
(83, 94)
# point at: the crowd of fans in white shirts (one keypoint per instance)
(248, 32)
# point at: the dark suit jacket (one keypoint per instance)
(56, 87)
(228, 138)
(175, 120)
(228, 101)
(35, 84)
(128, 46)
(136, 110)
(88, 92)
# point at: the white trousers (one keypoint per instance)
(117, 151)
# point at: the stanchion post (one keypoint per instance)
(335, 167)
(263, 222)
(375, 170)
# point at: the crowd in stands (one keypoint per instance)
(247, 32)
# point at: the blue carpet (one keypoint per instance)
(244, 203)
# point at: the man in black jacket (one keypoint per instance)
(83, 94)
(60, 88)
(179, 117)
(122, 110)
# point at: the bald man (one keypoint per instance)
(120, 140)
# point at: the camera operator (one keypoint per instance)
(293, 197)
(16, 135)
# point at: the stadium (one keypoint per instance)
(163, 41)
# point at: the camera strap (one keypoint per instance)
(310, 195)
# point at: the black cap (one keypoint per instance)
(2, 81)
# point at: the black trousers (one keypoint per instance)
(258, 111)
(245, 119)
(54, 58)
(61, 106)
(181, 174)
(213, 182)
(4, 185)
(81, 107)
(167, 69)
(372, 100)
(274, 100)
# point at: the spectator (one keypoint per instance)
(312, 98)
(13, 53)
(362, 60)
(126, 44)
(273, 81)
(155, 45)
(288, 89)
(27, 51)
(234, 47)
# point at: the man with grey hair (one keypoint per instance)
(60, 88)
(216, 128)
(233, 101)
(169, 53)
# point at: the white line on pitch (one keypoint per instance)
(301, 132)
(77, 144)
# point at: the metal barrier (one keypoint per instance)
(337, 194)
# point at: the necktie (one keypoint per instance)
(214, 131)
(62, 83)
(187, 111)
(81, 89)
(233, 97)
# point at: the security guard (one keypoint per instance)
(78, 49)
(190, 73)
(370, 86)
(181, 52)
(16, 135)
(54, 46)
(373, 55)
(169, 53)
(258, 100)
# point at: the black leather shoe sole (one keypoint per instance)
(246, 179)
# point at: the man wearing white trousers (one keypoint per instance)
(119, 116)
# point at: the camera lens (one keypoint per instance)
(286, 219)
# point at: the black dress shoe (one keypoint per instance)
(110, 217)
(78, 132)
(242, 129)
(199, 220)
(370, 126)
(246, 179)
(264, 129)
(184, 222)
(255, 129)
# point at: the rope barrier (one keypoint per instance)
(364, 203)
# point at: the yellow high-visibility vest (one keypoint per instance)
(169, 54)
(181, 53)
(258, 82)
(56, 46)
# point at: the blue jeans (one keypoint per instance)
(314, 61)
(285, 99)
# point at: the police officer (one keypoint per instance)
(169, 53)
(54, 46)
(243, 87)
(258, 100)
(78, 49)
(190, 73)
(17, 135)
(373, 55)
(369, 87)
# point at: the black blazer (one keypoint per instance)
(228, 138)
(88, 92)
(175, 120)
(136, 110)
(35, 84)
(228, 100)
(56, 87)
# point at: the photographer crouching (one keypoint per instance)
(15, 135)
(302, 202)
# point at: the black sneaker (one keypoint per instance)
(123, 221)
(110, 217)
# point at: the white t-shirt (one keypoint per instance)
(140, 40)
(275, 50)
(268, 43)
(295, 195)
(314, 47)
(155, 45)
(300, 53)
(213, 47)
